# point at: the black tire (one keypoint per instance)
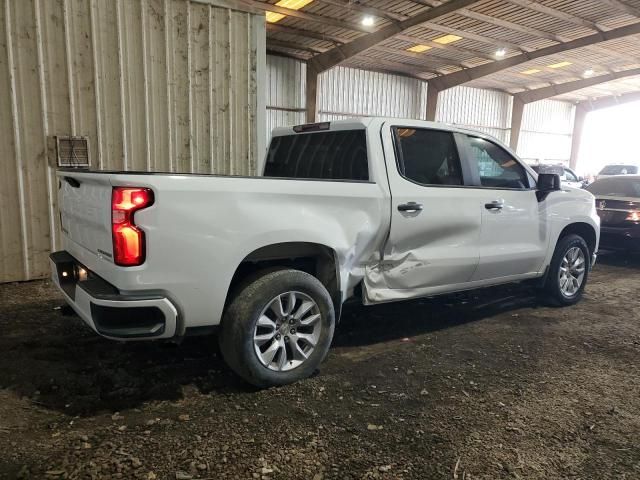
(552, 285)
(241, 316)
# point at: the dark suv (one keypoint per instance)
(618, 205)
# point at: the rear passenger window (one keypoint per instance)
(338, 155)
(428, 157)
(496, 167)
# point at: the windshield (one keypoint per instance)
(616, 187)
(619, 170)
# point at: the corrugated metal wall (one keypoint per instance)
(347, 92)
(485, 110)
(547, 128)
(286, 80)
(165, 85)
(342, 92)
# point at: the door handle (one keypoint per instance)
(410, 207)
(495, 205)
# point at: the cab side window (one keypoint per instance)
(428, 157)
(496, 167)
(568, 176)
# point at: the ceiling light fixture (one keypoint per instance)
(501, 52)
(273, 17)
(447, 39)
(560, 65)
(531, 71)
(418, 48)
(368, 21)
(588, 72)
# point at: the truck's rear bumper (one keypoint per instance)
(145, 315)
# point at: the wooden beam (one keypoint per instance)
(293, 46)
(568, 87)
(312, 17)
(576, 137)
(339, 54)
(274, 27)
(464, 76)
(286, 54)
(516, 122)
(432, 102)
(311, 94)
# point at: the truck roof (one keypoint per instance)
(356, 123)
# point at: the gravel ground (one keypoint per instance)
(483, 385)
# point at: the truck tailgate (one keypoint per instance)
(85, 213)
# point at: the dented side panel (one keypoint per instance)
(432, 247)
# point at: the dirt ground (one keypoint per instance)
(485, 385)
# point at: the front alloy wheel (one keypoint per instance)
(568, 271)
(572, 270)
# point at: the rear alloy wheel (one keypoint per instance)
(568, 271)
(278, 328)
(287, 331)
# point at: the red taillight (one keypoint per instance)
(128, 240)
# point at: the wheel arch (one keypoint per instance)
(584, 230)
(316, 259)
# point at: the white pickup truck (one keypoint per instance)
(382, 209)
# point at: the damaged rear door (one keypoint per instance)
(435, 229)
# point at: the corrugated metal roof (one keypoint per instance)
(485, 26)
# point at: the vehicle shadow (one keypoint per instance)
(363, 325)
(619, 259)
(58, 363)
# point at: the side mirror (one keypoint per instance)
(547, 183)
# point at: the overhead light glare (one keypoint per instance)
(560, 65)
(447, 39)
(501, 52)
(368, 21)
(588, 72)
(419, 48)
(273, 17)
(531, 71)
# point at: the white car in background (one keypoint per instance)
(618, 169)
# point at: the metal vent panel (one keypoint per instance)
(72, 151)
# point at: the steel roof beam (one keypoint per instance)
(611, 101)
(339, 54)
(568, 87)
(464, 76)
(274, 27)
